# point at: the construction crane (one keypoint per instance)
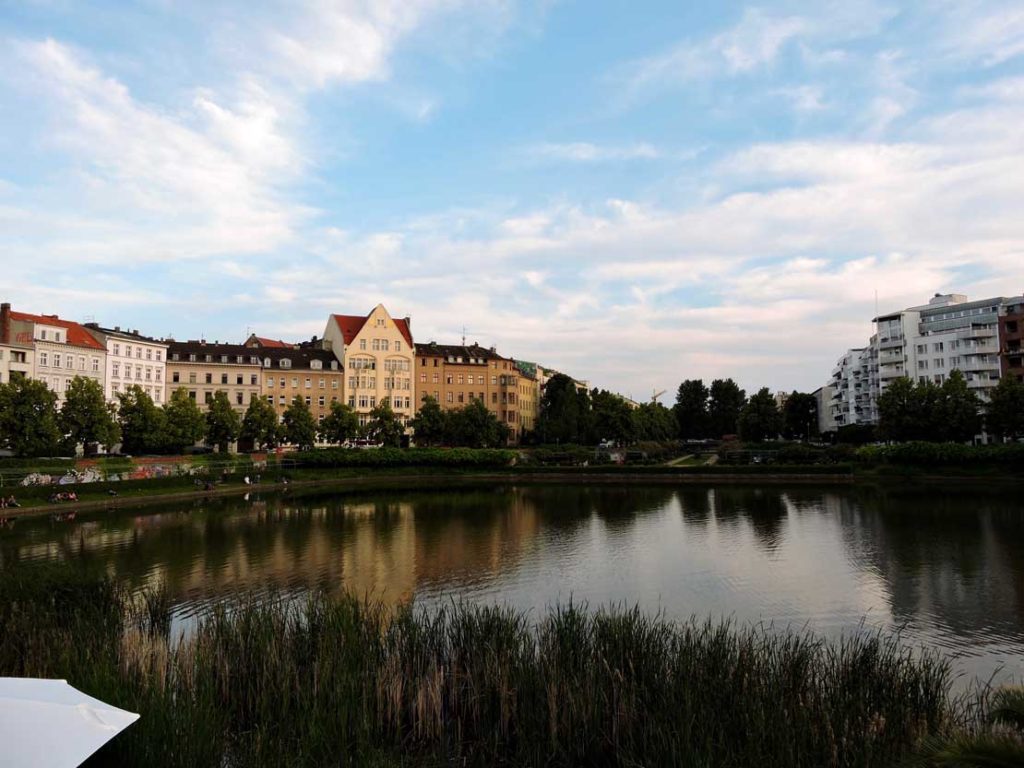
(656, 394)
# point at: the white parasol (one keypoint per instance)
(49, 724)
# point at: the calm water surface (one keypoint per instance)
(946, 568)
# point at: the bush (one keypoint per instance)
(921, 454)
(468, 458)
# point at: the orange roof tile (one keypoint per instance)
(351, 325)
(77, 335)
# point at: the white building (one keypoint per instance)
(853, 388)
(61, 349)
(928, 342)
(131, 359)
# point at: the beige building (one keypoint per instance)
(311, 373)
(455, 376)
(377, 354)
(60, 349)
(203, 368)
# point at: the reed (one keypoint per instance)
(342, 681)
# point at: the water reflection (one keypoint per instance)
(946, 566)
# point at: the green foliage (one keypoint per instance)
(222, 422)
(612, 418)
(28, 417)
(383, 425)
(926, 454)
(653, 421)
(298, 425)
(726, 401)
(474, 427)
(340, 681)
(564, 415)
(469, 458)
(339, 425)
(999, 743)
(259, 425)
(1005, 414)
(856, 434)
(800, 416)
(143, 424)
(86, 418)
(430, 425)
(760, 418)
(691, 410)
(925, 411)
(185, 425)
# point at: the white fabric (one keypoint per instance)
(49, 724)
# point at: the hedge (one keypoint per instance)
(469, 458)
(923, 454)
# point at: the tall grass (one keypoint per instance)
(339, 681)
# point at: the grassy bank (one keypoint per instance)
(338, 681)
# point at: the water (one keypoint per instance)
(946, 568)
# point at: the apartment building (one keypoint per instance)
(853, 389)
(377, 354)
(17, 358)
(203, 368)
(61, 349)
(456, 375)
(1011, 338)
(132, 359)
(312, 373)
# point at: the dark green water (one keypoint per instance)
(946, 568)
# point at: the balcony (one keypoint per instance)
(976, 333)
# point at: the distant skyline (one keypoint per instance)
(633, 193)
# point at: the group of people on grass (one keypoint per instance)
(9, 502)
(56, 498)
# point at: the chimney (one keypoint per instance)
(117, 328)
(5, 322)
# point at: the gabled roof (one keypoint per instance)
(474, 351)
(77, 335)
(300, 358)
(261, 342)
(351, 325)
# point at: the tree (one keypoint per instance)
(760, 418)
(430, 424)
(960, 410)
(259, 424)
(1005, 414)
(339, 425)
(383, 426)
(653, 421)
(475, 427)
(28, 417)
(896, 406)
(298, 424)
(222, 422)
(564, 412)
(800, 416)
(691, 410)
(611, 418)
(86, 418)
(724, 406)
(143, 424)
(185, 425)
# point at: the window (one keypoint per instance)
(159, 375)
(117, 349)
(423, 378)
(149, 353)
(270, 399)
(321, 401)
(450, 397)
(449, 379)
(435, 378)
(295, 382)
(42, 335)
(270, 382)
(70, 363)
(95, 365)
(128, 350)
(282, 400)
(363, 401)
(158, 355)
(362, 344)
(282, 383)
(208, 397)
(334, 383)
(238, 398)
(115, 371)
(322, 384)
(351, 401)
(175, 377)
(316, 365)
(192, 378)
(209, 378)
(309, 383)
(138, 353)
(223, 378)
(462, 398)
(149, 374)
(494, 381)
(192, 394)
(56, 359)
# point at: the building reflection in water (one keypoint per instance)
(948, 566)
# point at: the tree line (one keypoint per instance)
(31, 424)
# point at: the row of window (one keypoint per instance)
(284, 400)
(322, 384)
(151, 354)
(68, 360)
(370, 401)
(460, 378)
(156, 393)
(151, 374)
(254, 380)
(381, 345)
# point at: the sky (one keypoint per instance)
(634, 193)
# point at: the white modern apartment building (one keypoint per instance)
(927, 342)
(853, 388)
(131, 359)
(61, 349)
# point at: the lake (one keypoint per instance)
(944, 567)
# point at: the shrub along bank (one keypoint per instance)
(338, 681)
(467, 458)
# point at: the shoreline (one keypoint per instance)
(455, 479)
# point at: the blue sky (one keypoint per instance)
(634, 192)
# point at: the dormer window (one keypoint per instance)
(240, 359)
(255, 360)
(285, 363)
(223, 358)
(209, 358)
(334, 365)
(267, 363)
(57, 335)
(316, 365)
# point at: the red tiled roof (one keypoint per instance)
(77, 335)
(274, 343)
(351, 325)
